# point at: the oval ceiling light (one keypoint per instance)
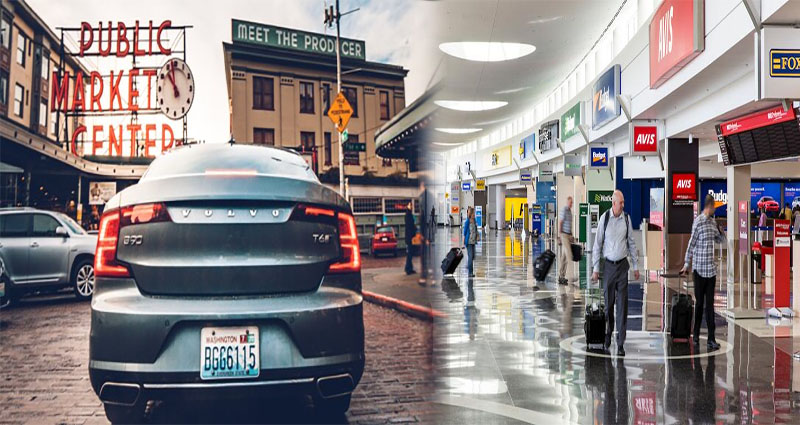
(459, 130)
(448, 144)
(471, 105)
(486, 51)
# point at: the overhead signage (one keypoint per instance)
(677, 35)
(602, 198)
(548, 136)
(160, 83)
(355, 147)
(291, 39)
(454, 188)
(684, 187)
(605, 106)
(570, 120)
(526, 146)
(744, 228)
(524, 177)
(757, 120)
(598, 157)
(644, 139)
(545, 173)
(480, 185)
(466, 187)
(340, 112)
(500, 157)
(780, 62)
(351, 158)
(572, 165)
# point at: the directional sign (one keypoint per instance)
(340, 112)
(355, 147)
(345, 135)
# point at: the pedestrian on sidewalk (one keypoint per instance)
(433, 224)
(470, 239)
(700, 253)
(613, 245)
(411, 231)
(565, 240)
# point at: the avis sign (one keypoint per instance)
(644, 139)
(677, 35)
(684, 187)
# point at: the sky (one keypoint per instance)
(394, 32)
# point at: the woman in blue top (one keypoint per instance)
(470, 238)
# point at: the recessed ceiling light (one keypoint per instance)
(471, 105)
(486, 51)
(447, 144)
(459, 130)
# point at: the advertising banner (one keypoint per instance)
(657, 206)
(783, 245)
(677, 35)
(480, 185)
(545, 173)
(570, 121)
(744, 228)
(684, 189)
(601, 198)
(598, 157)
(767, 196)
(780, 62)
(572, 165)
(548, 136)
(466, 186)
(526, 146)
(604, 97)
(719, 190)
(479, 215)
(583, 211)
(500, 157)
(545, 193)
(644, 139)
(759, 119)
(536, 218)
(791, 194)
(101, 192)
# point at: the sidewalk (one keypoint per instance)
(392, 288)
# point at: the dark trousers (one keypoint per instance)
(470, 258)
(704, 293)
(409, 256)
(615, 292)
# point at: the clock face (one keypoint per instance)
(175, 89)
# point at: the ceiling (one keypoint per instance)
(563, 32)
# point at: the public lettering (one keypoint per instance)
(125, 45)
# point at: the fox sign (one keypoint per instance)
(644, 139)
(684, 187)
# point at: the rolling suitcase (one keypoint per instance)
(542, 265)
(577, 252)
(451, 261)
(682, 312)
(595, 326)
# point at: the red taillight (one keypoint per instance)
(105, 257)
(319, 212)
(348, 240)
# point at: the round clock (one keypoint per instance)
(175, 91)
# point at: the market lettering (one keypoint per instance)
(63, 100)
(116, 137)
(87, 40)
(665, 34)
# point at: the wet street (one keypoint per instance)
(45, 378)
(509, 353)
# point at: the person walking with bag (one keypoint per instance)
(411, 231)
(470, 239)
(565, 239)
(612, 246)
(700, 254)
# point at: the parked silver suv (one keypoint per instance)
(228, 271)
(44, 250)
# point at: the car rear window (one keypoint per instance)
(227, 159)
(384, 230)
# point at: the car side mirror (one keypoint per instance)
(61, 231)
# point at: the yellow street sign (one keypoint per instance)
(340, 112)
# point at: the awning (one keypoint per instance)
(10, 169)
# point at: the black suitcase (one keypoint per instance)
(577, 252)
(452, 261)
(682, 309)
(542, 265)
(594, 326)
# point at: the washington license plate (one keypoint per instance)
(229, 353)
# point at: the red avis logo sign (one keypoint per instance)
(684, 187)
(676, 37)
(645, 139)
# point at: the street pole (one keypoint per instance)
(339, 90)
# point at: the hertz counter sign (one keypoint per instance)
(785, 63)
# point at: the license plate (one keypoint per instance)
(228, 353)
(384, 239)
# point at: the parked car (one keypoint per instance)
(226, 271)
(769, 203)
(383, 241)
(44, 251)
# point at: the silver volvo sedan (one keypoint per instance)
(228, 270)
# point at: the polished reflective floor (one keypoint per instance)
(511, 352)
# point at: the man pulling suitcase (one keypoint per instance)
(613, 245)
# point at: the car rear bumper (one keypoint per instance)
(384, 246)
(153, 343)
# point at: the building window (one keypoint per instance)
(53, 119)
(366, 205)
(328, 154)
(306, 98)
(385, 111)
(43, 113)
(326, 98)
(307, 140)
(5, 33)
(264, 136)
(351, 94)
(45, 67)
(22, 44)
(3, 88)
(19, 100)
(396, 205)
(263, 93)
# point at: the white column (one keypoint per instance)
(738, 190)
